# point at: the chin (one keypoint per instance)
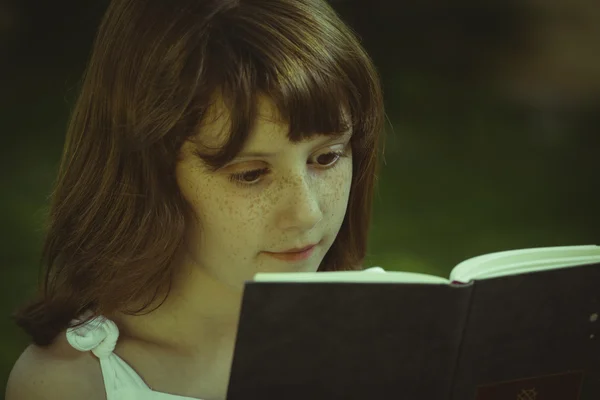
(282, 266)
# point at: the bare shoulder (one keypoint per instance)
(55, 372)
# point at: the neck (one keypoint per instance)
(200, 313)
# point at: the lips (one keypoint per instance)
(295, 256)
(298, 249)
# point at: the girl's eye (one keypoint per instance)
(333, 157)
(250, 178)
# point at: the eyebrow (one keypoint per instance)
(330, 138)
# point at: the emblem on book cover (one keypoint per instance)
(527, 394)
(561, 386)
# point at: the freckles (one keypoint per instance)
(249, 214)
(340, 187)
(226, 204)
(257, 209)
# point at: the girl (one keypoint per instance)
(212, 139)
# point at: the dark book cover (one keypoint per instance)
(516, 337)
(533, 333)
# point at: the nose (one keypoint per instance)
(301, 209)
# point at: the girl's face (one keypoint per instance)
(289, 196)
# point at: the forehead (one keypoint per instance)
(215, 128)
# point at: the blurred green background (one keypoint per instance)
(491, 143)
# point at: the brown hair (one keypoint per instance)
(116, 216)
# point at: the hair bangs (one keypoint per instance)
(320, 84)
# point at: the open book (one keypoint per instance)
(486, 266)
(520, 324)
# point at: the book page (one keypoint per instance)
(525, 260)
(371, 275)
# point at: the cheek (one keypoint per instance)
(225, 217)
(341, 183)
(224, 233)
(335, 194)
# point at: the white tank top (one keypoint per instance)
(121, 382)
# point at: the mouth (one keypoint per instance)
(298, 250)
(298, 255)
